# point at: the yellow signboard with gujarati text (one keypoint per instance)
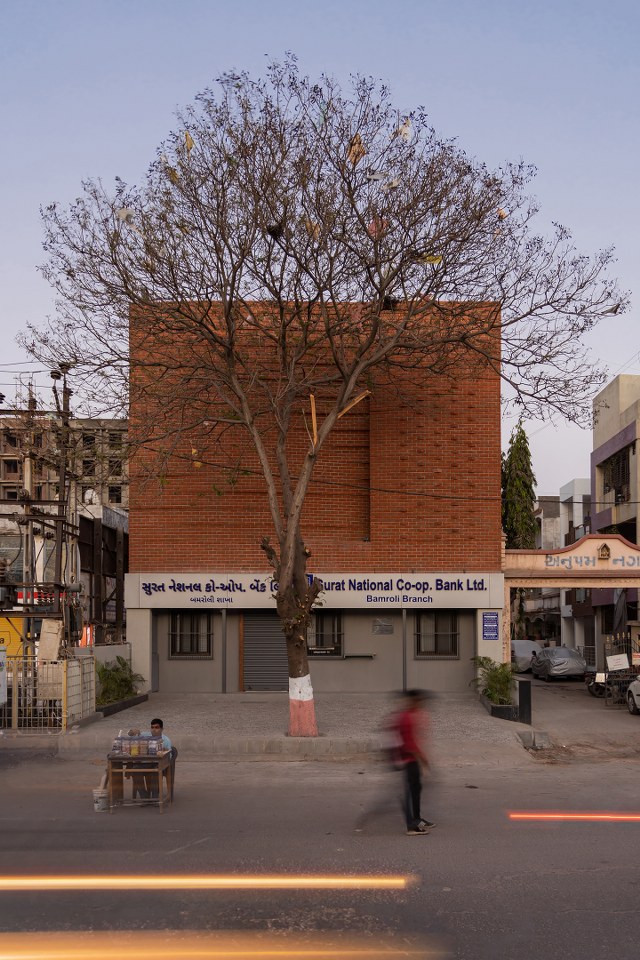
(11, 635)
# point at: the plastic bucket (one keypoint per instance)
(100, 801)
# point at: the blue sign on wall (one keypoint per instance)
(489, 626)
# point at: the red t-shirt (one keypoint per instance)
(409, 725)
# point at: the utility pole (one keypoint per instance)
(62, 407)
(28, 573)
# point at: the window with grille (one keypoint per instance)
(437, 635)
(190, 636)
(616, 474)
(325, 634)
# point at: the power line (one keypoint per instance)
(19, 363)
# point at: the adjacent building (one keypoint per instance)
(542, 605)
(576, 610)
(615, 488)
(557, 615)
(88, 545)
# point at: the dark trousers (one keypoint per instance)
(412, 791)
(145, 785)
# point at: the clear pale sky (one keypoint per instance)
(89, 89)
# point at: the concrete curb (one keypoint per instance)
(194, 748)
(535, 739)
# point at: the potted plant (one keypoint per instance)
(495, 683)
(117, 686)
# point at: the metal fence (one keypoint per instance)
(623, 643)
(47, 695)
(589, 652)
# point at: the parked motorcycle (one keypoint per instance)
(595, 687)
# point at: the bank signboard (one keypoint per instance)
(242, 591)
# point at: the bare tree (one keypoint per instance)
(293, 241)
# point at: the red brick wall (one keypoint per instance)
(406, 483)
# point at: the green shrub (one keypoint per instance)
(116, 681)
(495, 680)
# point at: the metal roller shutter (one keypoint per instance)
(265, 653)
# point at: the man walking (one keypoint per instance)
(409, 725)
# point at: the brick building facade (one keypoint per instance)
(403, 523)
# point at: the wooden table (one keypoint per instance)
(119, 764)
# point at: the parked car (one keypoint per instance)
(521, 653)
(558, 662)
(633, 696)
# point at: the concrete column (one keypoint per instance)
(139, 623)
(506, 623)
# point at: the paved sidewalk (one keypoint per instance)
(253, 726)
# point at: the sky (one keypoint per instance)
(90, 89)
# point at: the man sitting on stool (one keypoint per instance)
(157, 727)
(145, 786)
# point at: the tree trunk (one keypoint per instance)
(294, 601)
(302, 710)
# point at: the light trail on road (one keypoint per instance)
(225, 945)
(204, 882)
(585, 816)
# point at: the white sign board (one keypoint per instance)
(346, 591)
(50, 640)
(619, 661)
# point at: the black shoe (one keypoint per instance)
(418, 831)
(427, 823)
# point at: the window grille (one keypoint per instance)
(190, 636)
(325, 637)
(616, 474)
(437, 635)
